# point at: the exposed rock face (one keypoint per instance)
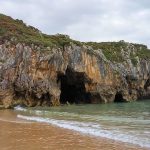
(74, 74)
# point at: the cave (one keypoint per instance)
(146, 93)
(147, 84)
(72, 86)
(119, 98)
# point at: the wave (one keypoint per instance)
(19, 108)
(124, 119)
(91, 128)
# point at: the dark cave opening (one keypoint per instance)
(72, 86)
(146, 93)
(147, 84)
(119, 98)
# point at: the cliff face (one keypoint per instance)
(75, 74)
(31, 75)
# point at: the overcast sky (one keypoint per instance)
(85, 20)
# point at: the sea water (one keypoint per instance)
(125, 122)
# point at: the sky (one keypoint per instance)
(85, 20)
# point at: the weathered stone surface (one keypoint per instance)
(75, 75)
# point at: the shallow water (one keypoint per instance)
(125, 122)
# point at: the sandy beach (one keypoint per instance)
(36, 136)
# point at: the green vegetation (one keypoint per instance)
(27, 34)
(144, 53)
(112, 50)
(2, 61)
(20, 32)
(134, 61)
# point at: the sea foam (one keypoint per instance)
(91, 128)
(19, 108)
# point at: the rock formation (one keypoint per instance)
(34, 75)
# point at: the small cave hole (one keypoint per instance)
(118, 98)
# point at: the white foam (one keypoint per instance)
(19, 108)
(91, 129)
(90, 117)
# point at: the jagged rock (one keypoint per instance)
(73, 75)
(34, 75)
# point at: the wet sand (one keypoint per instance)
(37, 136)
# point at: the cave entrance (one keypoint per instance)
(147, 84)
(146, 93)
(119, 98)
(72, 86)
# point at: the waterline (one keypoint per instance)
(90, 128)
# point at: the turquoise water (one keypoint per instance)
(126, 122)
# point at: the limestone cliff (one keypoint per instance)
(41, 70)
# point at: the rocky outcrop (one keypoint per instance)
(48, 70)
(74, 74)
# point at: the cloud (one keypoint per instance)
(86, 20)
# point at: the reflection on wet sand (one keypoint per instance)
(15, 134)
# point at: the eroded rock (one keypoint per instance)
(71, 75)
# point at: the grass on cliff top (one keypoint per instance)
(29, 35)
(112, 50)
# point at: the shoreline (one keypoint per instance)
(22, 136)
